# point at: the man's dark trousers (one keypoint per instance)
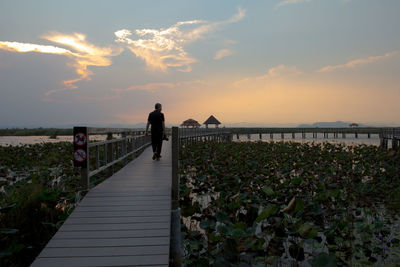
(156, 142)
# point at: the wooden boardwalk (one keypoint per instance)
(124, 221)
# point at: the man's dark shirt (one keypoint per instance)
(156, 119)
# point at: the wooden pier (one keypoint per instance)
(133, 217)
(124, 221)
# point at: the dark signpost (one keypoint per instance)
(81, 152)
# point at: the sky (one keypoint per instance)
(275, 62)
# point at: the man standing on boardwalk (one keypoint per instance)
(157, 121)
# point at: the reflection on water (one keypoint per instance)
(30, 140)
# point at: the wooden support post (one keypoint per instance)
(260, 136)
(237, 136)
(110, 153)
(85, 177)
(105, 154)
(303, 135)
(369, 135)
(271, 136)
(175, 168)
(395, 143)
(97, 157)
(282, 135)
(293, 135)
(356, 134)
(81, 154)
(124, 149)
(175, 241)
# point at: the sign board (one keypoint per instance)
(80, 155)
(81, 152)
(80, 139)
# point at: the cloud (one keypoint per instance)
(163, 49)
(272, 73)
(289, 2)
(222, 53)
(357, 62)
(150, 87)
(82, 55)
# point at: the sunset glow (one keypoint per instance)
(270, 63)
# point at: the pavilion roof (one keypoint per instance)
(190, 122)
(211, 120)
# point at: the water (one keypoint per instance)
(349, 140)
(30, 140)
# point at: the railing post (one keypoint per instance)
(110, 152)
(81, 153)
(175, 168)
(175, 242)
(123, 135)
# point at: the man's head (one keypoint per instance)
(158, 106)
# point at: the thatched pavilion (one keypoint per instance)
(353, 125)
(190, 123)
(212, 120)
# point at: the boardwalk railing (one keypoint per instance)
(326, 132)
(390, 134)
(120, 144)
(191, 135)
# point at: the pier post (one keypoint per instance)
(175, 242)
(293, 135)
(110, 153)
(282, 135)
(303, 135)
(395, 143)
(356, 135)
(369, 135)
(237, 136)
(260, 136)
(271, 136)
(124, 147)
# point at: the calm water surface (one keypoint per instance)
(349, 140)
(30, 140)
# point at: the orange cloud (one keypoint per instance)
(357, 62)
(82, 55)
(164, 49)
(222, 53)
(275, 72)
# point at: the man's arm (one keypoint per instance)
(163, 128)
(147, 128)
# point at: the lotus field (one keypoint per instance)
(289, 204)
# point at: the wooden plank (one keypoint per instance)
(124, 198)
(108, 242)
(104, 193)
(60, 235)
(116, 220)
(105, 251)
(154, 208)
(109, 214)
(143, 203)
(114, 226)
(102, 261)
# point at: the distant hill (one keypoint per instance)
(335, 124)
